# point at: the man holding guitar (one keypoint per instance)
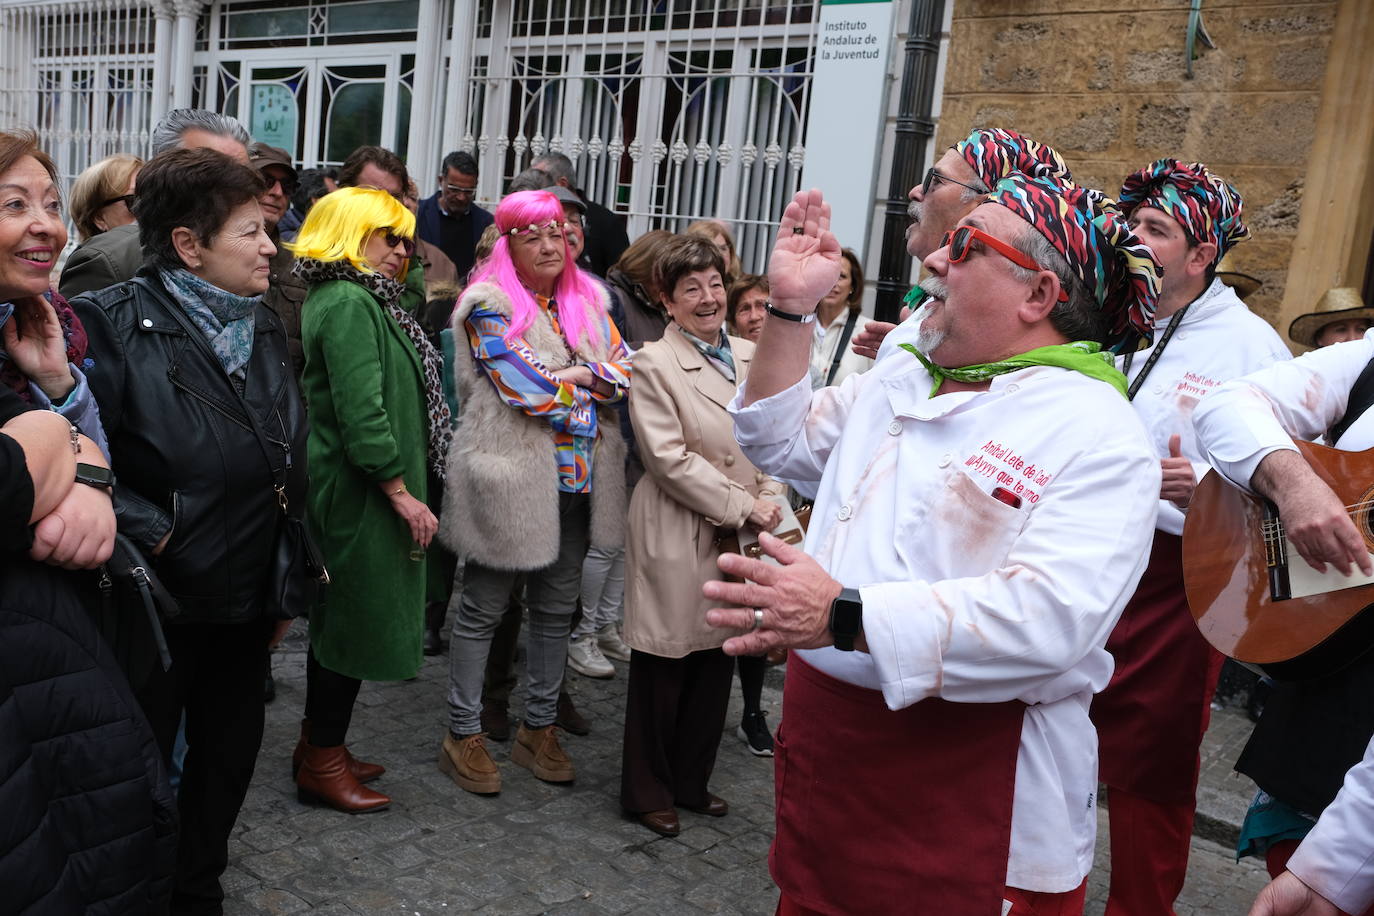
(961, 569)
(1151, 718)
(1312, 731)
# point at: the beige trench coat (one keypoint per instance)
(696, 480)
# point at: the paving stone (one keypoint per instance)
(541, 848)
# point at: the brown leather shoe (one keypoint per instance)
(664, 822)
(495, 720)
(537, 750)
(715, 806)
(466, 762)
(361, 769)
(569, 719)
(324, 779)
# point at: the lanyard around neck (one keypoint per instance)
(1154, 355)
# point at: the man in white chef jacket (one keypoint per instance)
(1152, 715)
(1247, 431)
(985, 504)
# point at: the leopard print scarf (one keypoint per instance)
(389, 292)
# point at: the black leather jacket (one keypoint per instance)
(184, 453)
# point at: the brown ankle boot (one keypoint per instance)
(324, 778)
(361, 769)
(538, 750)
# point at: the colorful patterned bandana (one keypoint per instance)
(994, 153)
(1084, 226)
(1206, 206)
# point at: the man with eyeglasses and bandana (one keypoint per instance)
(952, 187)
(1151, 718)
(986, 502)
(450, 218)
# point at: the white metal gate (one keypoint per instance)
(81, 75)
(671, 110)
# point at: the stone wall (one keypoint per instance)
(1108, 90)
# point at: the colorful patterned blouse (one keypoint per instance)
(528, 385)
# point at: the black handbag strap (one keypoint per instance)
(844, 342)
(1361, 399)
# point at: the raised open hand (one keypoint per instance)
(33, 339)
(806, 257)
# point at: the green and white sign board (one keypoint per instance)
(273, 117)
(848, 104)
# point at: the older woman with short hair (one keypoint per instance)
(698, 487)
(206, 429)
(103, 195)
(745, 306)
(379, 425)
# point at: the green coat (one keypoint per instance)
(364, 387)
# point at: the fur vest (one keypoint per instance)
(501, 494)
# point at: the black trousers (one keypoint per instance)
(674, 714)
(216, 678)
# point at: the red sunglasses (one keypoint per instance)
(960, 241)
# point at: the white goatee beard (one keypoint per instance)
(929, 339)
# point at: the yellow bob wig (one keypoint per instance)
(340, 223)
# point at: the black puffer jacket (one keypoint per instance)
(183, 448)
(89, 822)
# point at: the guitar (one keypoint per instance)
(1254, 598)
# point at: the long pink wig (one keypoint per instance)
(576, 293)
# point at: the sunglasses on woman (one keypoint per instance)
(392, 240)
(961, 240)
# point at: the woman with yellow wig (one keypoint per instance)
(378, 426)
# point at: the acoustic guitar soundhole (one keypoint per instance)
(1363, 517)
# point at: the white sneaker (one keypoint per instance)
(586, 659)
(611, 645)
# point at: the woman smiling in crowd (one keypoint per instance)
(696, 483)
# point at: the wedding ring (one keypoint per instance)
(758, 619)
(797, 230)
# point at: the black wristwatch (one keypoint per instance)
(846, 619)
(95, 476)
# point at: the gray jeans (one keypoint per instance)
(551, 596)
(603, 590)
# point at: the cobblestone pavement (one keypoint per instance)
(535, 848)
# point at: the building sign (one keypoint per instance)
(847, 109)
(273, 117)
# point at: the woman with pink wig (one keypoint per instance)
(535, 473)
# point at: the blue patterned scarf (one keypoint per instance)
(225, 319)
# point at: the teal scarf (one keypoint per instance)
(719, 356)
(224, 318)
(1083, 356)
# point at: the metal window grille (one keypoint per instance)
(671, 110)
(80, 75)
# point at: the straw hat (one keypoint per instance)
(1244, 284)
(1339, 304)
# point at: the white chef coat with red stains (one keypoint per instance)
(1247, 419)
(971, 597)
(1218, 339)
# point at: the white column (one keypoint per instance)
(188, 11)
(460, 73)
(429, 59)
(162, 59)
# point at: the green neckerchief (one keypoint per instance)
(1083, 356)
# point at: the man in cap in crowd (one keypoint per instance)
(606, 238)
(114, 256)
(952, 187)
(285, 291)
(973, 541)
(1151, 718)
(1340, 316)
